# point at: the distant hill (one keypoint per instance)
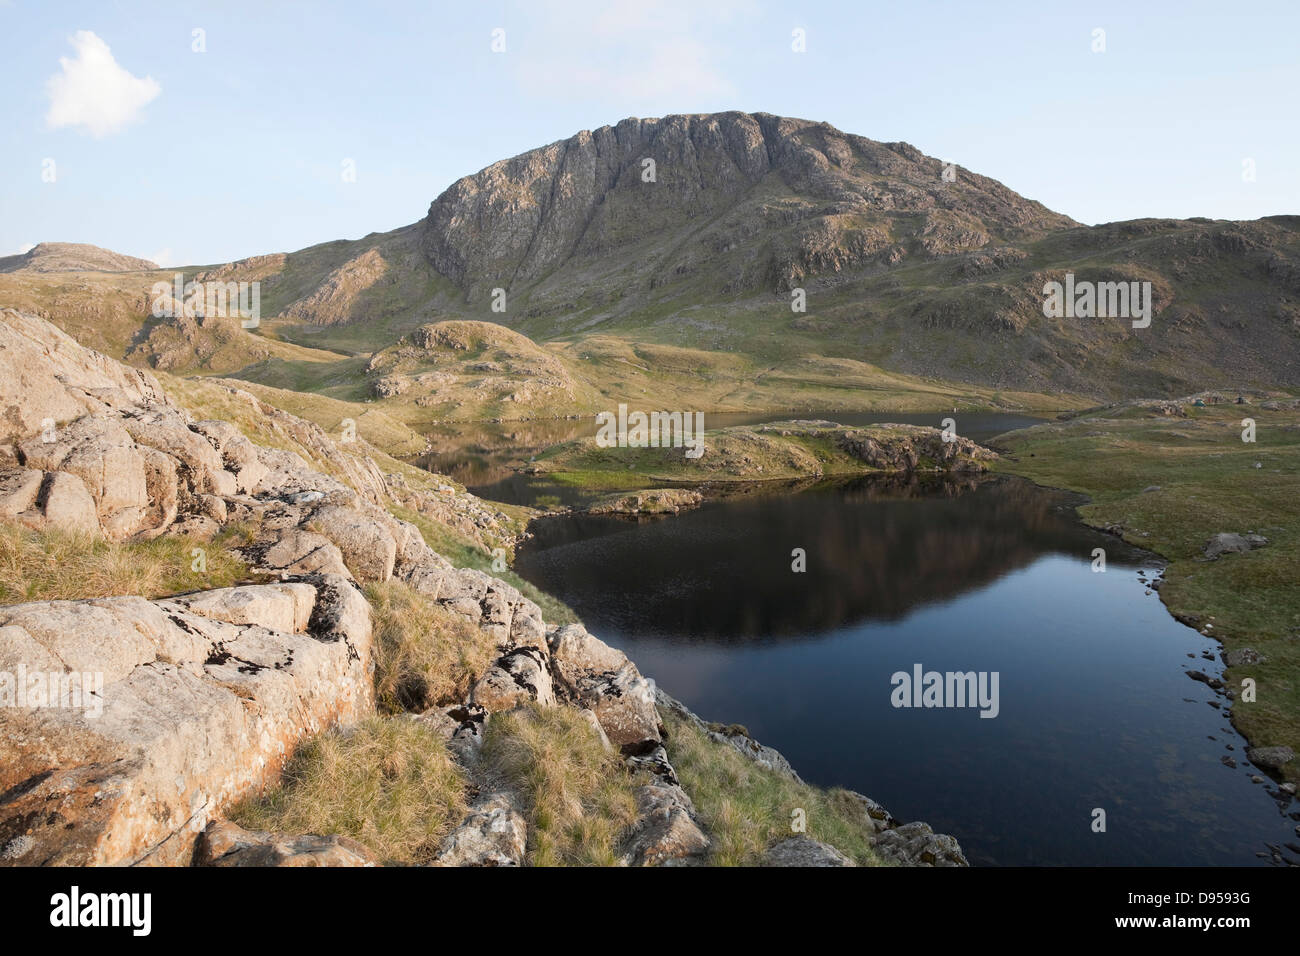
(73, 257)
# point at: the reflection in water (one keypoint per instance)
(724, 571)
(1097, 710)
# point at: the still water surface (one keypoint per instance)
(1096, 708)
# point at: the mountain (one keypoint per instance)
(662, 260)
(747, 201)
(73, 257)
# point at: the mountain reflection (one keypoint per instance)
(876, 548)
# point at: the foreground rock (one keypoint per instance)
(804, 851)
(167, 712)
(494, 833)
(666, 832)
(915, 844)
(225, 844)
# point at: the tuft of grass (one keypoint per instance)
(579, 798)
(745, 808)
(388, 783)
(424, 654)
(53, 565)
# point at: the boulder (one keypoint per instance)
(802, 850)
(915, 844)
(368, 548)
(103, 455)
(226, 844)
(665, 833)
(494, 833)
(1270, 758)
(303, 552)
(602, 679)
(1229, 543)
(47, 377)
(518, 677)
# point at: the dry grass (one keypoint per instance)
(579, 798)
(424, 654)
(388, 783)
(58, 566)
(745, 808)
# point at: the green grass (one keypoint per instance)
(55, 565)
(745, 808)
(1207, 483)
(424, 654)
(388, 783)
(579, 798)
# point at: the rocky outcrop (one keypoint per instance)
(907, 844)
(915, 844)
(168, 711)
(907, 448)
(650, 502)
(333, 302)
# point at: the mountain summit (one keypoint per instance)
(754, 199)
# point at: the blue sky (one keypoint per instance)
(190, 158)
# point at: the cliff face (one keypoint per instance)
(760, 196)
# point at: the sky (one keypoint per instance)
(195, 133)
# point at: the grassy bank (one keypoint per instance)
(1168, 484)
(776, 451)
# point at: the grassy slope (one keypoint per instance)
(1208, 483)
(745, 807)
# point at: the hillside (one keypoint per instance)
(73, 257)
(923, 284)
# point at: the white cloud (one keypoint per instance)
(26, 247)
(163, 257)
(93, 92)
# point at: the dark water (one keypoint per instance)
(482, 456)
(1096, 708)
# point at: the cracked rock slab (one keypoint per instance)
(494, 833)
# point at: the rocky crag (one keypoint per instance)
(202, 697)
